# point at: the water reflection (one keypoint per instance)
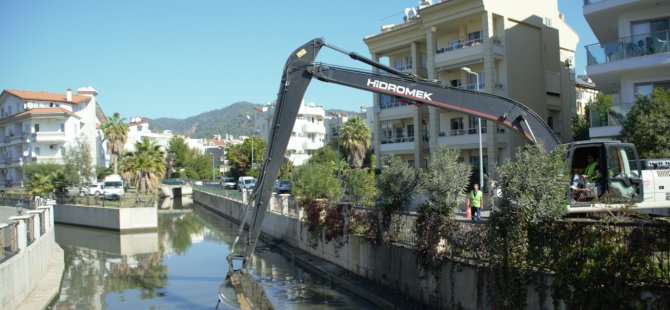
(181, 266)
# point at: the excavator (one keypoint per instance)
(620, 173)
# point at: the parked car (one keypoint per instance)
(246, 183)
(228, 183)
(95, 189)
(283, 186)
(75, 191)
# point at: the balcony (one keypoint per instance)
(397, 144)
(310, 145)
(628, 47)
(459, 45)
(614, 117)
(314, 128)
(52, 136)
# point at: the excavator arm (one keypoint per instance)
(301, 68)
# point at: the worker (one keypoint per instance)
(591, 168)
(475, 200)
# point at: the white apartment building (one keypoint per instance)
(38, 126)
(632, 55)
(586, 91)
(309, 131)
(139, 129)
(523, 51)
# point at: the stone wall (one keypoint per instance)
(455, 285)
(120, 219)
(35, 258)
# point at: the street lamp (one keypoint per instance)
(479, 124)
(213, 168)
(252, 146)
(339, 127)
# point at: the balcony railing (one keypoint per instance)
(614, 117)
(459, 45)
(473, 86)
(387, 102)
(403, 67)
(391, 140)
(462, 132)
(628, 47)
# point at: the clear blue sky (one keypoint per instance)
(181, 58)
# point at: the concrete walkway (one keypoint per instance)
(49, 286)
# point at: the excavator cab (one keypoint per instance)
(604, 172)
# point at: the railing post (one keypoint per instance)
(38, 222)
(21, 231)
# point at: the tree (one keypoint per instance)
(45, 169)
(39, 185)
(177, 158)
(396, 183)
(648, 124)
(240, 158)
(287, 169)
(355, 140)
(316, 181)
(145, 166)
(115, 131)
(445, 180)
(581, 125)
(78, 162)
(360, 187)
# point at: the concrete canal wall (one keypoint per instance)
(32, 265)
(113, 218)
(393, 266)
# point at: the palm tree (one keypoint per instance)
(145, 166)
(355, 139)
(39, 185)
(115, 131)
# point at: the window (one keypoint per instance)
(473, 121)
(410, 130)
(62, 127)
(550, 122)
(398, 132)
(645, 89)
(457, 123)
(37, 127)
(455, 83)
(475, 37)
(37, 151)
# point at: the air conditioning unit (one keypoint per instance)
(52, 146)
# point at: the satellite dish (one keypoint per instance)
(26, 153)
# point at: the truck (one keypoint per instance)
(620, 172)
(113, 187)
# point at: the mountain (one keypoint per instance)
(229, 120)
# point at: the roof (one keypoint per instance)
(46, 111)
(45, 96)
(137, 123)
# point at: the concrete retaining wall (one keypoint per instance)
(31, 278)
(120, 219)
(455, 285)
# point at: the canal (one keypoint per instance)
(181, 266)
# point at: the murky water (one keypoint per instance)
(181, 266)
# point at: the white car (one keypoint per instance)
(95, 189)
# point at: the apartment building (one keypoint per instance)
(309, 130)
(632, 55)
(585, 91)
(138, 129)
(37, 127)
(523, 51)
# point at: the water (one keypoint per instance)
(181, 266)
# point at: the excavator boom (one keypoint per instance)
(301, 68)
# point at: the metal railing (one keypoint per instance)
(397, 140)
(129, 200)
(459, 45)
(628, 47)
(9, 245)
(615, 116)
(228, 193)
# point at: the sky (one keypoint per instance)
(178, 59)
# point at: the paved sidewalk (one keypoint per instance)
(49, 286)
